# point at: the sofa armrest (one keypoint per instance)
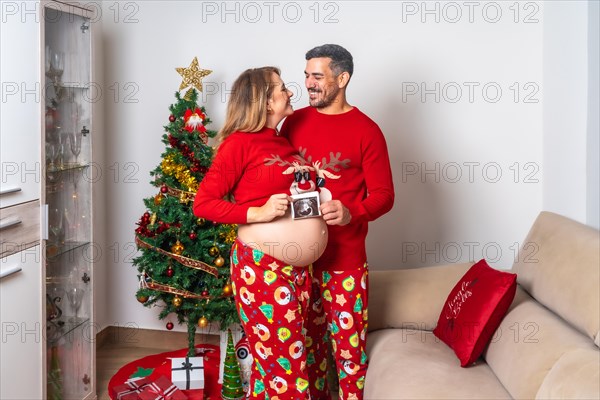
(411, 298)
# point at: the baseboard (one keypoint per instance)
(157, 339)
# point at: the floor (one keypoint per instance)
(112, 355)
(120, 346)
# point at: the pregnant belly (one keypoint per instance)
(295, 242)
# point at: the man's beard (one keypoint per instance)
(324, 101)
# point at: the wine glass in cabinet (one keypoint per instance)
(67, 186)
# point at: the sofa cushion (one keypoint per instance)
(528, 343)
(474, 309)
(558, 264)
(410, 298)
(411, 364)
(575, 376)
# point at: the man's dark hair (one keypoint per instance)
(341, 59)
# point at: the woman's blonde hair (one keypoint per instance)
(247, 107)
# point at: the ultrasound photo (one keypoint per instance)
(306, 205)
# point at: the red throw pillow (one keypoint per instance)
(474, 309)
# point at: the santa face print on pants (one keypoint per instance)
(272, 299)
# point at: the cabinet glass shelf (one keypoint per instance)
(67, 194)
(60, 328)
(54, 251)
(67, 167)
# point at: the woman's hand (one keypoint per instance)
(275, 207)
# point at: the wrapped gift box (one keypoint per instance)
(188, 373)
(130, 389)
(162, 389)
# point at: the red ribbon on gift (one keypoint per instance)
(162, 389)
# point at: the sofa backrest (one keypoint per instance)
(529, 343)
(559, 266)
(554, 318)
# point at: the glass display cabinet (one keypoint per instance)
(68, 253)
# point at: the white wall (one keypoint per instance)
(496, 143)
(593, 131)
(565, 108)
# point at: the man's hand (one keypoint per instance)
(334, 213)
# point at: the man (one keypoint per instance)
(355, 180)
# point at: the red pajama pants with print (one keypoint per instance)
(271, 298)
(338, 313)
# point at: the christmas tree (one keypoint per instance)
(232, 380)
(184, 263)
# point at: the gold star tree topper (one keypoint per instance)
(192, 76)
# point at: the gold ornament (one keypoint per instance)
(192, 76)
(227, 290)
(203, 322)
(177, 248)
(201, 221)
(153, 219)
(214, 251)
(177, 301)
(230, 236)
(158, 199)
(181, 173)
(219, 261)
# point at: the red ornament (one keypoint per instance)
(215, 223)
(170, 272)
(204, 293)
(172, 118)
(169, 325)
(142, 299)
(193, 236)
(164, 189)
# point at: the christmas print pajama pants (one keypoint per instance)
(338, 313)
(271, 298)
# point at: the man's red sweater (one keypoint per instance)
(352, 146)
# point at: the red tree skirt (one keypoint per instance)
(162, 366)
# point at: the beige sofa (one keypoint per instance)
(546, 347)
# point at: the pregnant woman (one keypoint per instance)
(254, 172)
